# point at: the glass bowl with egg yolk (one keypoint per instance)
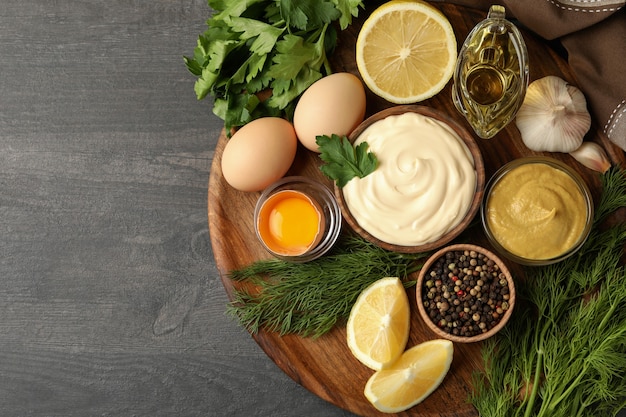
(297, 219)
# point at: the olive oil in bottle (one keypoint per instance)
(491, 74)
(485, 85)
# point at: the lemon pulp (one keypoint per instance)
(406, 51)
(378, 325)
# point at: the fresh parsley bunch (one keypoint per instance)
(255, 45)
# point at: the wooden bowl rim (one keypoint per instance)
(503, 268)
(479, 167)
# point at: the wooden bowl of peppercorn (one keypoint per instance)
(465, 293)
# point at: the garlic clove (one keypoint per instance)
(553, 116)
(593, 156)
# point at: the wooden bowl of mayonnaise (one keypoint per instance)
(427, 187)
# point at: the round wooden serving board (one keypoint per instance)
(325, 365)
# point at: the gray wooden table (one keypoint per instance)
(110, 302)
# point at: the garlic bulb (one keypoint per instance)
(553, 116)
(593, 156)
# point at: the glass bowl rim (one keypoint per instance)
(324, 197)
(555, 163)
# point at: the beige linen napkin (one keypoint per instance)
(593, 32)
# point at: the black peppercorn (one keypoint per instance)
(466, 293)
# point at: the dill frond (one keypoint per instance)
(310, 298)
(570, 345)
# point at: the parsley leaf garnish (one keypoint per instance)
(343, 160)
(255, 45)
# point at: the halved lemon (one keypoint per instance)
(378, 325)
(406, 51)
(412, 378)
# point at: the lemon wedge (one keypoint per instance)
(412, 378)
(406, 51)
(378, 325)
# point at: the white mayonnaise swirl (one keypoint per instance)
(423, 186)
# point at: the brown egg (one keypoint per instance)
(259, 153)
(334, 104)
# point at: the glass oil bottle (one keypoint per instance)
(491, 74)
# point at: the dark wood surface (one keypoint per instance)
(325, 365)
(110, 300)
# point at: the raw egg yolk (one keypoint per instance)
(289, 223)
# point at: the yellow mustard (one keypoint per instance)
(536, 211)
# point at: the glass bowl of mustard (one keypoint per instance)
(297, 219)
(537, 210)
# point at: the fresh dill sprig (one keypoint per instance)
(614, 181)
(565, 354)
(310, 298)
